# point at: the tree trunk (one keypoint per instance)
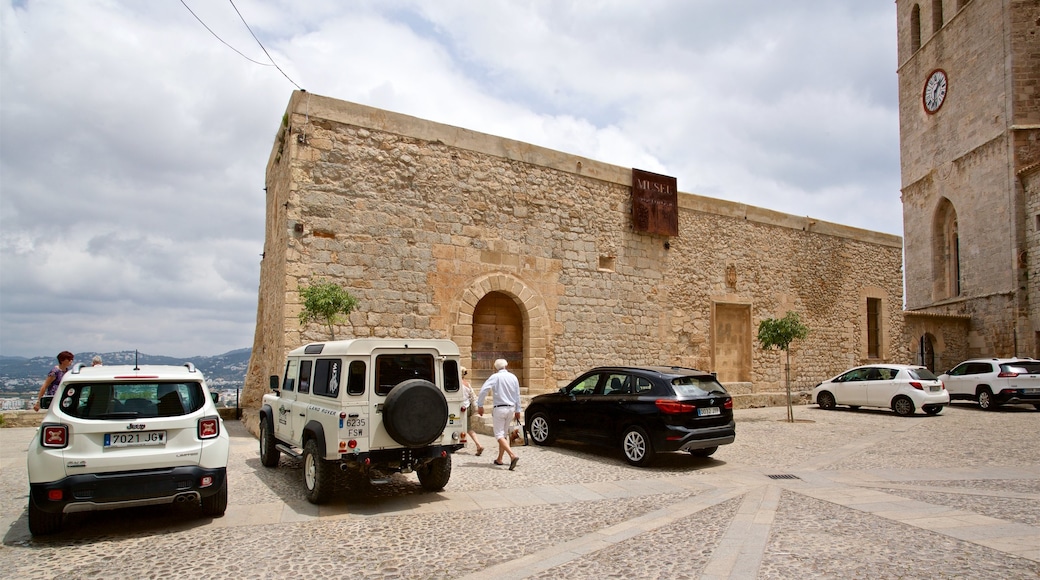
(787, 369)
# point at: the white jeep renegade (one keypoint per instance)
(376, 406)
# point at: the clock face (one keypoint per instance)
(934, 91)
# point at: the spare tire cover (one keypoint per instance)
(415, 412)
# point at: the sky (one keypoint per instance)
(134, 135)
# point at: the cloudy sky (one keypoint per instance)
(133, 137)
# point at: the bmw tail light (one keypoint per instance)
(728, 404)
(670, 407)
(54, 436)
(917, 385)
(209, 427)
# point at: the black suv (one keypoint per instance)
(645, 410)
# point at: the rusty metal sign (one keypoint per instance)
(655, 203)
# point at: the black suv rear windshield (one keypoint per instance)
(697, 386)
(131, 400)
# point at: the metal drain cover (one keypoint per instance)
(782, 476)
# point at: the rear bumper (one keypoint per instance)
(676, 438)
(104, 491)
(1015, 397)
(397, 459)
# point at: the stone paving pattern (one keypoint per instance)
(863, 494)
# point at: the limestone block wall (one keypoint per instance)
(421, 220)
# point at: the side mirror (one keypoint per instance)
(274, 383)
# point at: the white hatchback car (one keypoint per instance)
(123, 436)
(902, 388)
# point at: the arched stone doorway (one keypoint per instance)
(481, 325)
(498, 332)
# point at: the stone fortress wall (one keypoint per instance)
(438, 230)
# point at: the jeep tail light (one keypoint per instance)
(917, 385)
(352, 443)
(670, 407)
(1007, 375)
(206, 481)
(54, 436)
(209, 427)
(55, 495)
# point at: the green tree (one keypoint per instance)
(773, 333)
(324, 302)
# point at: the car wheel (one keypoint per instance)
(434, 475)
(415, 413)
(986, 400)
(706, 452)
(1036, 406)
(903, 406)
(541, 429)
(317, 474)
(636, 446)
(932, 409)
(41, 522)
(215, 505)
(825, 400)
(269, 453)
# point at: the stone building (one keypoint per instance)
(530, 254)
(969, 92)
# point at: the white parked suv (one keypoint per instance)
(995, 381)
(123, 436)
(373, 406)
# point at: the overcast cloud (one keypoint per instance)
(133, 142)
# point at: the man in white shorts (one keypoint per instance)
(505, 392)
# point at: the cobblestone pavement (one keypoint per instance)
(836, 494)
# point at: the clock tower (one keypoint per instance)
(969, 126)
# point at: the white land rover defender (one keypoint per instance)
(376, 406)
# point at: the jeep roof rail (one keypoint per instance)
(190, 367)
(76, 368)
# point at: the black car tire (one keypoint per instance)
(1036, 406)
(269, 453)
(986, 400)
(825, 400)
(636, 447)
(932, 409)
(215, 505)
(415, 413)
(541, 429)
(705, 452)
(317, 474)
(41, 522)
(434, 475)
(903, 406)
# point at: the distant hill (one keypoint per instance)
(226, 370)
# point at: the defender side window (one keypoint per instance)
(356, 378)
(327, 376)
(289, 383)
(451, 375)
(305, 376)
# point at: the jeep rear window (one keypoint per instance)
(131, 400)
(1022, 368)
(392, 369)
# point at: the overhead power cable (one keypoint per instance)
(262, 47)
(272, 63)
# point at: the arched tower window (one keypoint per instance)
(915, 28)
(937, 15)
(926, 351)
(946, 251)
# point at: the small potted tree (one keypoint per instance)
(325, 302)
(779, 333)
